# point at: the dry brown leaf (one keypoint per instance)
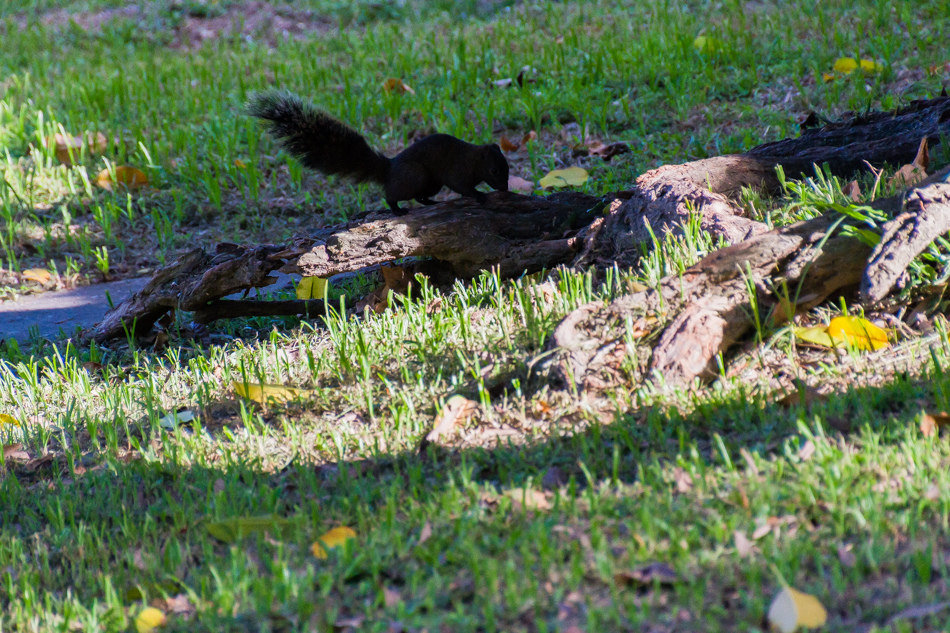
(527, 138)
(932, 493)
(931, 423)
(507, 145)
(915, 171)
(806, 451)
(761, 531)
(456, 411)
(684, 483)
(180, 605)
(608, 151)
(15, 452)
(647, 575)
(503, 83)
(425, 534)
(795, 397)
(218, 486)
(744, 546)
(519, 184)
(391, 597)
(126, 176)
(529, 498)
(398, 86)
(852, 190)
(63, 145)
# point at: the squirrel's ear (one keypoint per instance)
(495, 149)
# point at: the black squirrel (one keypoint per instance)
(418, 172)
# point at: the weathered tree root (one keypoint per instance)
(719, 300)
(665, 198)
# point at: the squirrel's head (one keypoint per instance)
(495, 167)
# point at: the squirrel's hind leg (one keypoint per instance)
(394, 207)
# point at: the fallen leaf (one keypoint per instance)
(218, 486)
(806, 451)
(653, 573)
(761, 531)
(234, 529)
(817, 335)
(684, 483)
(456, 411)
(744, 546)
(334, 538)
(570, 177)
(65, 144)
(344, 624)
(180, 605)
(795, 398)
(609, 151)
(916, 170)
(312, 288)
(858, 332)
(848, 65)
(519, 184)
(267, 393)
(172, 420)
(391, 597)
(129, 177)
(530, 498)
(932, 493)
(397, 86)
(852, 190)
(503, 83)
(931, 423)
(706, 44)
(507, 145)
(15, 452)
(527, 138)
(7, 419)
(240, 164)
(791, 609)
(39, 275)
(149, 619)
(425, 534)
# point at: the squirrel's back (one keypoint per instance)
(316, 139)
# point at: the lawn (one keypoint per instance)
(655, 510)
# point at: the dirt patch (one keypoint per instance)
(252, 21)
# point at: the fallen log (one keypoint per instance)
(516, 234)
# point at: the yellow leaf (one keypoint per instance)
(570, 177)
(240, 164)
(706, 44)
(231, 530)
(312, 288)
(858, 332)
(39, 275)
(817, 335)
(149, 619)
(846, 65)
(828, 76)
(130, 177)
(268, 394)
(334, 538)
(6, 418)
(792, 609)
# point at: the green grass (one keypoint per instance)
(115, 515)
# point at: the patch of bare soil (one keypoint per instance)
(260, 21)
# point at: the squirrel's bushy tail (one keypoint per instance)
(316, 139)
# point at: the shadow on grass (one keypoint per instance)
(854, 521)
